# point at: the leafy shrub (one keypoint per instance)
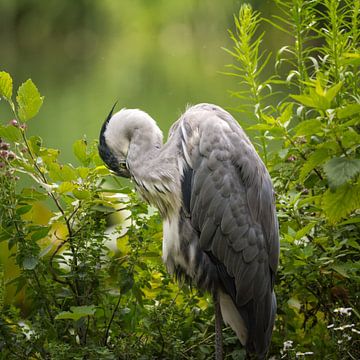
(74, 285)
(306, 123)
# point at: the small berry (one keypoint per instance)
(11, 155)
(23, 126)
(14, 122)
(2, 165)
(4, 146)
(291, 158)
(4, 154)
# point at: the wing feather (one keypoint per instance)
(232, 209)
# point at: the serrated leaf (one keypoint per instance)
(341, 202)
(341, 169)
(6, 85)
(317, 158)
(308, 127)
(348, 110)
(29, 100)
(9, 132)
(30, 262)
(80, 151)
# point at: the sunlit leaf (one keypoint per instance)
(9, 132)
(330, 93)
(341, 202)
(348, 110)
(305, 100)
(81, 194)
(6, 85)
(286, 115)
(29, 100)
(308, 127)
(80, 151)
(65, 186)
(77, 312)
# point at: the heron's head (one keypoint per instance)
(113, 154)
(119, 131)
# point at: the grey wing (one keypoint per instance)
(229, 196)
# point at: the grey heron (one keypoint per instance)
(216, 199)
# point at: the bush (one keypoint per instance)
(306, 124)
(74, 284)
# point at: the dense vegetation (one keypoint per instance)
(77, 286)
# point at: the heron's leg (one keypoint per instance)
(218, 329)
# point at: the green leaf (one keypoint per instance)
(80, 151)
(341, 169)
(340, 269)
(260, 127)
(308, 127)
(77, 312)
(29, 100)
(341, 202)
(318, 157)
(65, 187)
(10, 132)
(61, 172)
(305, 100)
(6, 85)
(35, 143)
(286, 114)
(82, 194)
(23, 209)
(30, 262)
(332, 92)
(40, 234)
(294, 303)
(348, 110)
(304, 231)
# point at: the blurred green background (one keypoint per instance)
(84, 55)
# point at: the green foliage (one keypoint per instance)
(307, 123)
(82, 276)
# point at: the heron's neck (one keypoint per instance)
(154, 170)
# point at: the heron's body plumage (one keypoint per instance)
(220, 227)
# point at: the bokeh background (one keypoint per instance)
(83, 55)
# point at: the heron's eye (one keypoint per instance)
(122, 165)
